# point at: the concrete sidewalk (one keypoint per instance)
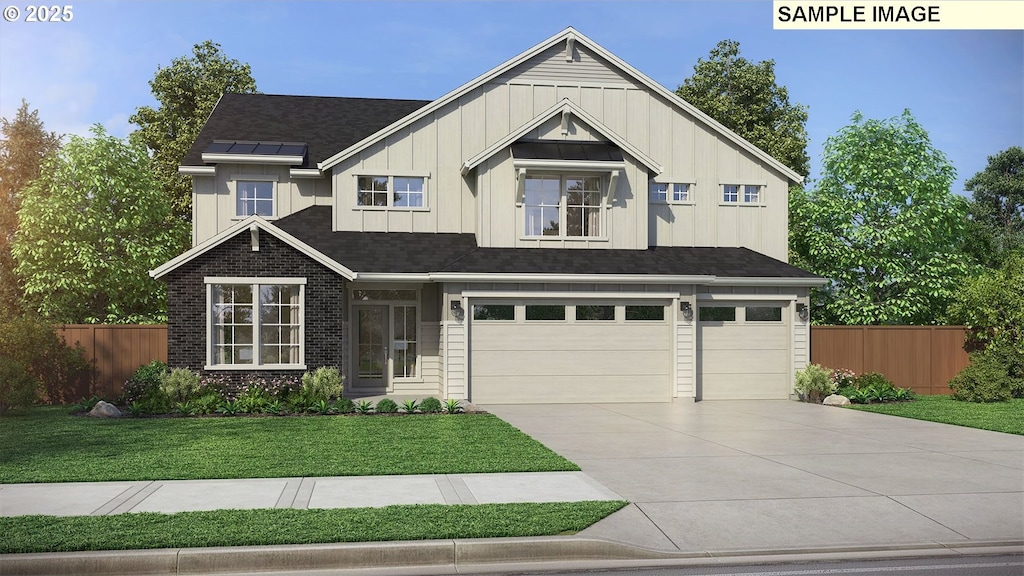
(169, 496)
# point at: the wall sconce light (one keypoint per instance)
(457, 310)
(802, 311)
(687, 309)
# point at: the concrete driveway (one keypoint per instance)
(729, 476)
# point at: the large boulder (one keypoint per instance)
(104, 410)
(836, 400)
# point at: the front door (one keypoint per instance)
(372, 342)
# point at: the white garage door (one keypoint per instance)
(569, 352)
(743, 351)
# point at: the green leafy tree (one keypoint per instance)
(24, 144)
(744, 97)
(92, 225)
(996, 226)
(187, 91)
(883, 226)
(991, 306)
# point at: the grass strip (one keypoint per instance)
(48, 445)
(286, 526)
(998, 416)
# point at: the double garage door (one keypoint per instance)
(743, 351)
(570, 351)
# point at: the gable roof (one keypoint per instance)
(251, 223)
(324, 124)
(563, 36)
(565, 106)
(451, 256)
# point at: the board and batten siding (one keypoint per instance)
(214, 207)
(482, 202)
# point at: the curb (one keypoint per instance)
(443, 556)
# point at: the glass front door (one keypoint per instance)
(372, 343)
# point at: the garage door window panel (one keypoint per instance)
(763, 314)
(645, 313)
(592, 313)
(717, 314)
(496, 312)
(544, 312)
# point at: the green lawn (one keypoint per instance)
(999, 416)
(48, 445)
(264, 527)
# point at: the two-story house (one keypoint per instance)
(559, 229)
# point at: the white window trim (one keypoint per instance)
(669, 200)
(739, 193)
(391, 175)
(390, 304)
(254, 282)
(233, 188)
(603, 188)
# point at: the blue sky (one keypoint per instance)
(965, 87)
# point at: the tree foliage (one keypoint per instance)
(24, 144)
(996, 226)
(187, 91)
(92, 225)
(882, 225)
(744, 97)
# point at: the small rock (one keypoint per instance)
(836, 400)
(104, 410)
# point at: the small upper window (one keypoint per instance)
(494, 312)
(670, 192)
(645, 313)
(391, 191)
(752, 194)
(763, 314)
(717, 314)
(730, 193)
(254, 197)
(584, 313)
(545, 312)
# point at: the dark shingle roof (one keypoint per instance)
(394, 252)
(327, 125)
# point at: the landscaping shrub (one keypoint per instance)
(325, 383)
(430, 405)
(814, 383)
(345, 406)
(62, 372)
(842, 378)
(180, 385)
(18, 388)
(874, 387)
(386, 406)
(145, 378)
(983, 380)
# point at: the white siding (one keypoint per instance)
(684, 360)
(455, 359)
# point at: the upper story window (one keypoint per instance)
(670, 192)
(254, 197)
(563, 206)
(746, 193)
(399, 192)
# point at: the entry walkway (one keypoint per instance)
(169, 496)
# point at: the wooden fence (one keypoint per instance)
(922, 358)
(118, 349)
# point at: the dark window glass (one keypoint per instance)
(595, 312)
(544, 312)
(764, 314)
(717, 314)
(645, 312)
(493, 312)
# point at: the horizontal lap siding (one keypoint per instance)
(684, 360)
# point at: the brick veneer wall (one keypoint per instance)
(324, 298)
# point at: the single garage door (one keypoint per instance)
(743, 351)
(556, 351)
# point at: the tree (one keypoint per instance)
(744, 97)
(883, 226)
(187, 91)
(996, 226)
(24, 145)
(92, 225)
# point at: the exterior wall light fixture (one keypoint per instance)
(457, 310)
(687, 309)
(802, 311)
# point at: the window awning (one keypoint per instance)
(566, 150)
(235, 151)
